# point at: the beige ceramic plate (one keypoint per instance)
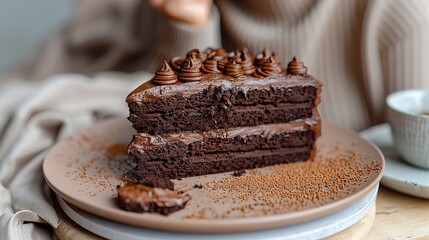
(85, 169)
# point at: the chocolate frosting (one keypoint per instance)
(164, 75)
(223, 80)
(199, 57)
(296, 67)
(220, 56)
(245, 61)
(176, 63)
(237, 54)
(262, 57)
(216, 52)
(221, 64)
(233, 69)
(210, 66)
(190, 71)
(268, 69)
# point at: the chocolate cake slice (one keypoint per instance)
(214, 112)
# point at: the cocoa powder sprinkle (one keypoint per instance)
(292, 187)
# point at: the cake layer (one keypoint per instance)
(173, 108)
(222, 93)
(222, 162)
(146, 147)
(203, 119)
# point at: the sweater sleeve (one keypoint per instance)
(174, 38)
(397, 53)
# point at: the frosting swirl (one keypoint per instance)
(210, 66)
(198, 56)
(233, 69)
(164, 75)
(245, 61)
(268, 68)
(221, 52)
(190, 71)
(176, 63)
(221, 64)
(296, 67)
(219, 56)
(262, 57)
(237, 55)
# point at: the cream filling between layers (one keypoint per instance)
(143, 141)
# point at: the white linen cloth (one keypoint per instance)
(33, 117)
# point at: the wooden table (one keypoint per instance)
(399, 216)
(396, 216)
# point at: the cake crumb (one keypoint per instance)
(238, 173)
(198, 186)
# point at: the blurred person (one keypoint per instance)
(362, 50)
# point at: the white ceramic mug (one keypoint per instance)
(408, 115)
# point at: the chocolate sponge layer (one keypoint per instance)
(203, 119)
(217, 163)
(220, 97)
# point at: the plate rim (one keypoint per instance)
(157, 221)
(367, 208)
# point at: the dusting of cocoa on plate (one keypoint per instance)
(292, 187)
(101, 169)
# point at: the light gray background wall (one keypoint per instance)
(24, 24)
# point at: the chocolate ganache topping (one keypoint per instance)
(236, 55)
(221, 52)
(296, 67)
(221, 62)
(190, 71)
(244, 59)
(233, 69)
(268, 68)
(262, 57)
(176, 63)
(210, 66)
(216, 60)
(164, 75)
(220, 55)
(199, 57)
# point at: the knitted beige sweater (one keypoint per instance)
(361, 50)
